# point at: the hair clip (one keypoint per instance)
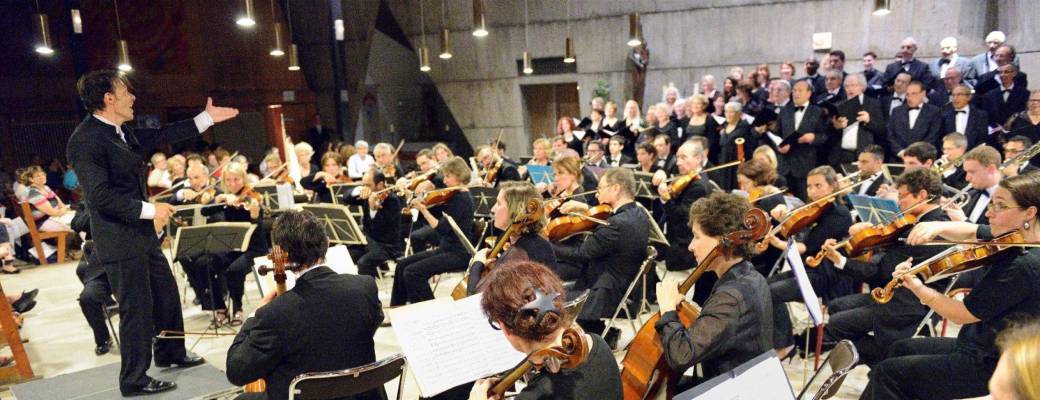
(542, 303)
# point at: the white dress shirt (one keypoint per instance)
(980, 206)
(868, 182)
(357, 165)
(798, 116)
(961, 119)
(850, 134)
(913, 117)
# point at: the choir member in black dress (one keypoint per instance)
(527, 244)
(734, 128)
(525, 300)
(833, 224)
(677, 209)
(1008, 291)
(613, 252)
(612, 125)
(735, 323)
(593, 130)
(565, 128)
(411, 280)
(701, 123)
(381, 217)
(632, 124)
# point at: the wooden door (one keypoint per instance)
(546, 104)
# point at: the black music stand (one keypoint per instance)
(483, 199)
(269, 194)
(340, 190)
(644, 185)
(339, 223)
(215, 238)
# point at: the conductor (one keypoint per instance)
(110, 161)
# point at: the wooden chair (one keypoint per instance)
(38, 237)
(20, 370)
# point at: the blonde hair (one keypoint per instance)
(304, 148)
(768, 153)
(570, 165)
(543, 143)
(232, 168)
(1021, 346)
(457, 166)
(517, 194)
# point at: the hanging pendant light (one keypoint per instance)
(445, 43)
(43, 35)
(568, 45)
(294, 52)
(528, 65)
(635, 31)
(121, 46)
(882, 8)
(77, 21)
(479, 19)
(278, 49)
(424, 59)
(248, 19)
(424, 52)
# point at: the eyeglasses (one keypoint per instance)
(994, 207)
(1007, 72)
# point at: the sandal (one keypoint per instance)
(237, 320)
(7, 268)
(221, 319)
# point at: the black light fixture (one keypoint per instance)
(43, 32)
(479, 19)
(635, 31)
(568, 45)
(247, 19)
(445, 43)
(882, 8)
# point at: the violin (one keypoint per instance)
(566, 226)
(869, 239)
(532, 213)
(437, 197)
(680, 182)
(572, 352)
(644, 368)
(802, 217)
(492, 172)
(278, 260)
(953, 261)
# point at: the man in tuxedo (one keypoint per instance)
(954, 145)
(110, 161)
(982, 170)
(870, 161)
(317, 135)
(889, 101)
(962, 117)
(1008, 99)
(665, 158)
(875, 79)
(1004, 55)
(324, 323)
(950, 59)
(832, 92)
(1015, 146)
(812, 68)
(940, 94)
(801, 130)
(852, 136)
(381, 221)
(905, 62)
(916, 121)
(987, 61)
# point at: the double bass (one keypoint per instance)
(532, 212)
(279, 260)
(644, 368)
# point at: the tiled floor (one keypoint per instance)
(60, 341)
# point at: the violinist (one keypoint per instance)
(834, 223)
(411, 280)
(381, 217)
(688, 158)
(198, 190)
(1012, 148)
(855, 316)
(526, 244)
(525, 300)
(385, 163)
(756, 177)
(496, 169)
(1008, 291)
(229, 270)
(564, 197)
(870, 161)
(612, 252)
(325, 323)
(331, 173)
(735, 324)
(982, 170)
(954, 146)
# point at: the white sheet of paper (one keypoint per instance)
(336, 257)
(812, 303)
(449, 343)
(765, 380)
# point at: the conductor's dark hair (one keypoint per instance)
(93, 86)
(301, 236)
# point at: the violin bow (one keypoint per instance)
(211, 174)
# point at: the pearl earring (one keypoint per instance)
(1026, 225)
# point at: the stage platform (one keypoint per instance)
(100, 383)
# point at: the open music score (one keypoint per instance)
(450, 342)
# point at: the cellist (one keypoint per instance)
(1008, 291)
(688, 158)
(735, 322)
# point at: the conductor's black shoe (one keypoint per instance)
(189, 360)
(153, 387)
(103, 348)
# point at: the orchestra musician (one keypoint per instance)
(919, 155)
(688, 158)
(613, 252)
(527, 244)
(870, 161)
(756, 177)
(855, 316)
(411, 279)
(1012, 148)
(563, 197)
(525, 300)
(495, 168)
(733, 129)
(198, 190)
(783, 287)
(735, 322)
(646, 157)
(954, 145)
(381, 216)
(982, 170)
(331, 173)
(385, 162)
(304, 152)
(325, 323)
(1009, 290)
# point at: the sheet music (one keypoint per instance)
(812, 303)
(449, 343)
(760, 378)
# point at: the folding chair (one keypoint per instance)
(109, 311)
(644, 305)
(349, 382)
(842, 359)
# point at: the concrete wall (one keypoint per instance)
(686, 38)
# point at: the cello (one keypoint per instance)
(644, 368)
(279, 260)
(532, 212)
(571, 353)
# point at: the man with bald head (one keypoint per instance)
(950, 59)
(940, 95)
(987, 61)
(905, 62)
(859, 125)
(960, 116)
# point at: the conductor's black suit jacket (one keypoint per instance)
(112, 173)
(325, 323)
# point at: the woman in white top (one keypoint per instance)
(360, 162)
(49, 212)
(160, 175)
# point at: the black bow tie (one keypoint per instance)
(962, 111)
(899, 99)
(944, 61)
(915, 108)
(799, 108)
(980, 192)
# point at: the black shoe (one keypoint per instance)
(612, 338)
(103, 348)
(27, 297)
(153, 387)
(23, 308)
(190, 360)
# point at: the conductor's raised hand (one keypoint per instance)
(219, 114)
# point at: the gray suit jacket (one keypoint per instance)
(980, 64)
(963, 64)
